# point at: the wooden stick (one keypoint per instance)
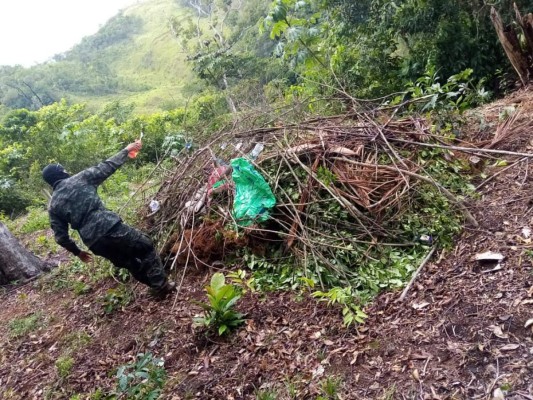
(413, 278)
(465, 149)
(498, 173)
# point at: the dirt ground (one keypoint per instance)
(459, 333)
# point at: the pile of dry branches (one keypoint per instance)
(339, 182)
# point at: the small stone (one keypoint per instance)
(498, 394)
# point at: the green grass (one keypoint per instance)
(266, 395)
(75, 341)
(11, 224)
(36, 220)
(67, 276)
(330, 387)
(64, 366)
(22, 326)
(154, 60)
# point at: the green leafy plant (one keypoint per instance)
(80, 288)
(240, 278)
(219, 314)
(325, 175)
(74, 341)
(273, 273)
(36, 220)
(143, 379)
(266, 395)
(98, 394)
(44, 244)
(123, 275)
(116, 299)
(64, 365)
(458, 93)
(351, 311)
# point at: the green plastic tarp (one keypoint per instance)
(253, 197)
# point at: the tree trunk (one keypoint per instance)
(520, 55)
(16, 263)
(526, 23)
(511, 45)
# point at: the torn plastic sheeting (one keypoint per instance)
(218, 184)
(253, 197)
(216, 179)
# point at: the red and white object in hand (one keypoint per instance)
(135, 147)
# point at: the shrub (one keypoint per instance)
(351, 310)
(115, 299)
(13, 200)
(219, 313)
(141, 380)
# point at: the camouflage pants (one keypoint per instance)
(129, 248)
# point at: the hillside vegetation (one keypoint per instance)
(133, 58)
(362, 122)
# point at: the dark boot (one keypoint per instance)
(164, 291)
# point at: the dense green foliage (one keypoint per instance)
(249, 53)
(254, 62)
(372, 48)
(30, 140)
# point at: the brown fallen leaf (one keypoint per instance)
(510, 347)
(316, 335)
(497, 331)
(529, 324)
(416, 375)
(421, 356)
(354, 359)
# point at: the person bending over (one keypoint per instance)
(75, 201)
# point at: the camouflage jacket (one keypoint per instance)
(75, 201)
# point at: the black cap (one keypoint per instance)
(54, 173)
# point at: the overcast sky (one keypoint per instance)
(33, 31)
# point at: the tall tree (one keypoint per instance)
(223, 43)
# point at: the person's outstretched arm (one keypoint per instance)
(99, 173)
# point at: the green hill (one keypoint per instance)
(133, 58)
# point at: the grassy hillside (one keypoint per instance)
(133, 58)
(153, 60)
